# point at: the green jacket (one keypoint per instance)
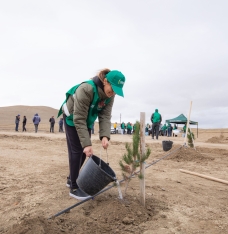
(91, 103)
(164, 127)
(129, 126)
(184, 128)
(123, 125)
(156, 117)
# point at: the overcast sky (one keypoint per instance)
(171, 52)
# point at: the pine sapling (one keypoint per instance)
(190, 137)
(132, 159)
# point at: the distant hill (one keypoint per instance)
(8, 114)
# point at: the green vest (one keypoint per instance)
(164, 127)
(156, 118)
(129, 126)
(94, 108)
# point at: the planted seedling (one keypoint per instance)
(191, 138)
(132, 159)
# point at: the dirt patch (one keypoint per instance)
(104, 214)
(221, 139)
(116, 143)
(211, 151)
(33, 172)
(30, 138)
(189, 154)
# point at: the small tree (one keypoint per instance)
(132, 159)
(190, 137)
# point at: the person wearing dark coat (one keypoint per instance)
(156, 119)
(36, 120)
(17, 120)
(170, 129)
(52, 124)
(123, 127)
(61, 125)
(24, 123)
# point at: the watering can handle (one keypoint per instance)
(100, 158)
(106, 155)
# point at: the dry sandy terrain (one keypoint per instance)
(34, 167)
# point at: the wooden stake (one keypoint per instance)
(142, 151)
(204, 176)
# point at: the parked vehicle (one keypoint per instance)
(118, 130)
(112, 130)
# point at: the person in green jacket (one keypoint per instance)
(174, 128)
(184, 130)
(83, 104)
(129, 128)
(123, 128)
(164, 128)
(170, 129)
(156, 119)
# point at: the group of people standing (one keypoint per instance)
(127, 128)
(17, 121)
(36, 121)
(166, 129)
(52, 124)
(155, 129)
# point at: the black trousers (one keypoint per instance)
(75, 152)
(155, 127)
(16, 128)
(129, 131)
(52, 127)
(23, 127)
(36, 127)
(60, 128)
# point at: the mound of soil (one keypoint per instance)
(104, 214)
(213, 151)
(189, 154)
(220, 139)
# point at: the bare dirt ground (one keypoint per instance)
(34, 167)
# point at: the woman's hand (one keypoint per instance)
(104, 142)
(88, 150)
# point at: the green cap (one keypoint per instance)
(117, 80)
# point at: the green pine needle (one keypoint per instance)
(132, 159)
